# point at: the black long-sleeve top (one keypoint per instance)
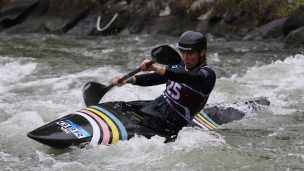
(202, 79)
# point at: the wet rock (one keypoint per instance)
(32, 21)
(180, 9)
(272, 30)
(295, 20)
(218, 13)
(137, 24)
(295, 38)
(200, 9)
(223, 115)
(63, 15)
(147, 8)
(13, 11)
(86, 26)
(241, 18)
(170, 25)
(216, 18)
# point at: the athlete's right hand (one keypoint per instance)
(115, 81)
(144, 67)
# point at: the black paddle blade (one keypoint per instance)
(93, 92)
(166, 55)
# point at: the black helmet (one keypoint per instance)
(192, 41)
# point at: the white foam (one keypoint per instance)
(281, 82)
(24, 121)
(140, 153)
(13, 70)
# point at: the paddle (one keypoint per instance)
(164, 54)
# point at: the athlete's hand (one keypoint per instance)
(144, 67)
(115, 81)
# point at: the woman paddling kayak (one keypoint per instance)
(188, 86)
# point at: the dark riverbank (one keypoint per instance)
(281, 20)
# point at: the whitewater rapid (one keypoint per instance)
(36, 90)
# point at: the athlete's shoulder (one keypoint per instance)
(207, 70)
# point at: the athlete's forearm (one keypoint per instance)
(149, 79)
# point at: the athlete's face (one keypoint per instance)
(191, 58)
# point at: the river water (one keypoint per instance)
(41, 79)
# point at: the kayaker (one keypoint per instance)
(188, 86)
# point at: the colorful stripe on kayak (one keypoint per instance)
(204, 121)
(104, 123)
(71, 127)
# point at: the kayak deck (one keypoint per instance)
(108, 123)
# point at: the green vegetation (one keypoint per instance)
(264, 10)
(290, 7)
(284, 7)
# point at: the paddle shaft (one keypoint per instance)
(164, 54)
(135, 71)
(130, 74)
